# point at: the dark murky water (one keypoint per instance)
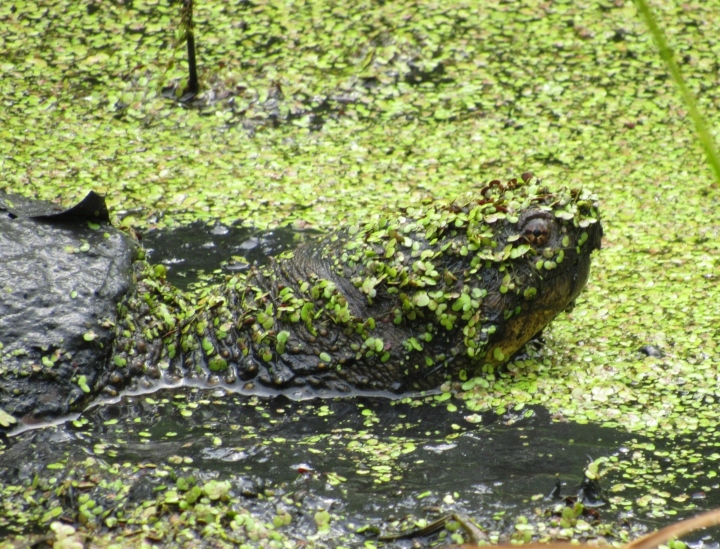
(500, 463)
(201, 248)
(370, 459)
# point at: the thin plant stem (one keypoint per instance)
(188, 27)
(703, 133)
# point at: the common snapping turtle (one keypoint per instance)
(397, 304)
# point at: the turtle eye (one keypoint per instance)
(537, 231)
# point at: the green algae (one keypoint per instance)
(396, 103)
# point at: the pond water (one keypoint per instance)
(320, 113)
(371, 461)
(200, 248)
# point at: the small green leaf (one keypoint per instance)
(207, 346)
(6, 419)
(217, 363)
(322, 519)
(421, 299)
(215, 489)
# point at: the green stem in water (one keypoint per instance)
(704, 135)
(187, 26)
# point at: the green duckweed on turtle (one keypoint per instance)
(401, 303)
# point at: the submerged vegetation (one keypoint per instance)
(313, 113)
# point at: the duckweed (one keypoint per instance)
(317, 114)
